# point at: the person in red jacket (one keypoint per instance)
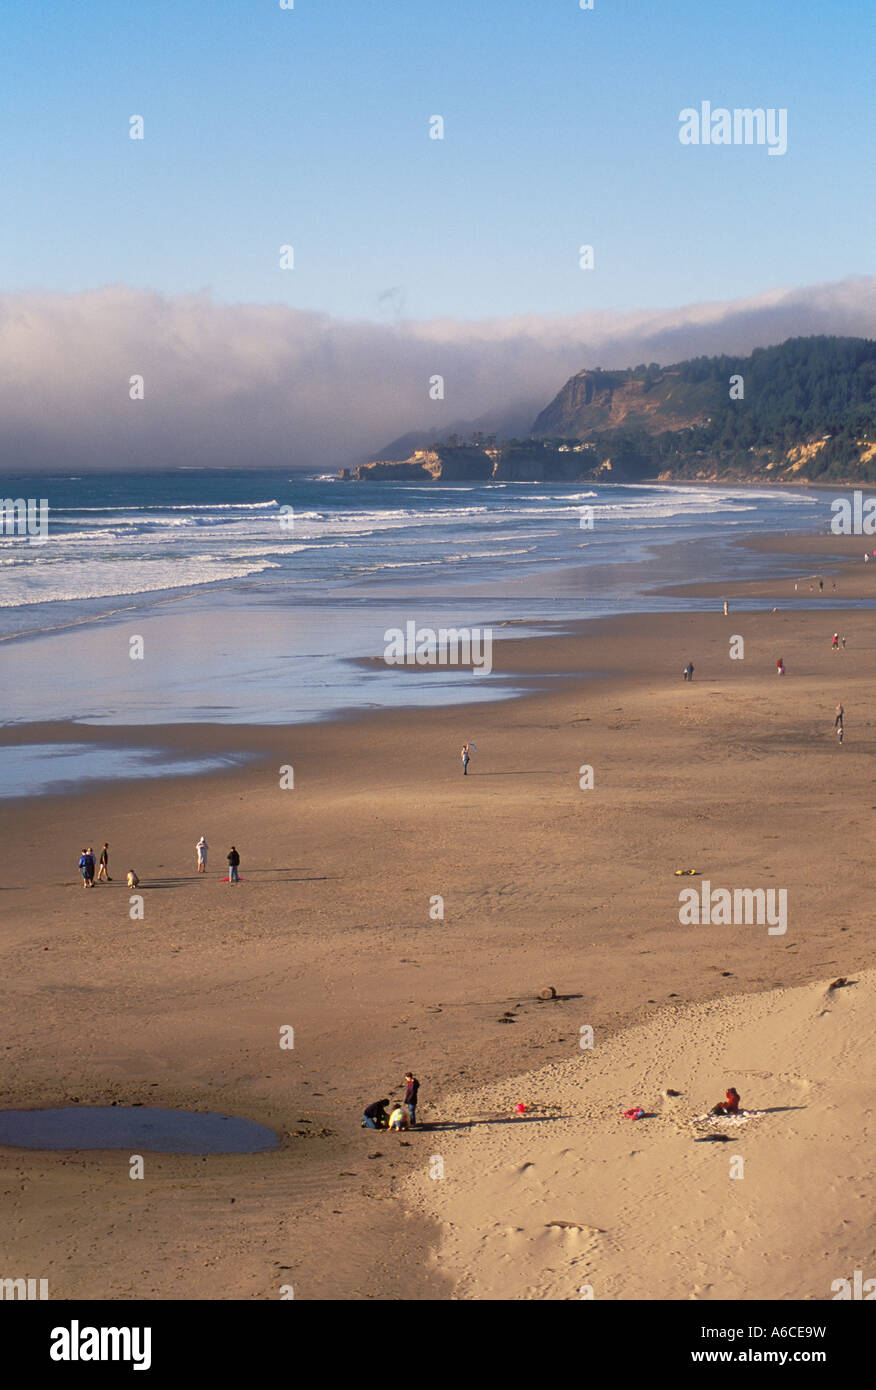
(730, 1106)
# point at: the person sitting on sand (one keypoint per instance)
(399, 1117)
(133, 880)
(375, 1116)
(729, 1106)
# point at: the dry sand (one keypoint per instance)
(573, 1200)
(737, 774)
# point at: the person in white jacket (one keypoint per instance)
(201, 850)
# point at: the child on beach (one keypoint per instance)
(399, 1119)
(688, 671)
(201, 852)
(132, 880)
(780, 666)
(728, 1106)
(839, 733)
(86, 868)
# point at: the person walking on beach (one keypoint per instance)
(838, 722)
(103, 866)
(465, 754)
(233, 865)
(834, 646)
(840, 733)
(821, 586)
(780, 666)
(843, 643)
(412, 1087)
(201, 852)
(688, 671)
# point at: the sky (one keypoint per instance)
(267, 127)
(309, 127)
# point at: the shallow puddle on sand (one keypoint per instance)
(133, 1127)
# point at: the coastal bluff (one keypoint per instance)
(471, 463)
(801, 411)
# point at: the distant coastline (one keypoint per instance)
(803, 412)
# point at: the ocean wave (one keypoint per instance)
(108, 579)
(147, 507)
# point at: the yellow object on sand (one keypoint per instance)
(687, 871)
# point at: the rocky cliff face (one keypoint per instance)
(471, 464)
(465, 463)
(594, 401)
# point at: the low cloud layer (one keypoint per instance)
(265, 386)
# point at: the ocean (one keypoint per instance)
(254, 593)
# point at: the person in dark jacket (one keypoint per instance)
(233, 865)
(412, 1087)
(375, 1116)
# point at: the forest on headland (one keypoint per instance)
(804, 410)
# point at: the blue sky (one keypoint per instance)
(310, 127)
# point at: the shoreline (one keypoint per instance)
(543, 884)
(524, 676)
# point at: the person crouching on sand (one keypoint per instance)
(201, 855)
(729, 1106)
(375, 1116)
(399, 1117)
(132, 879)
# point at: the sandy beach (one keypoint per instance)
(738, 775)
